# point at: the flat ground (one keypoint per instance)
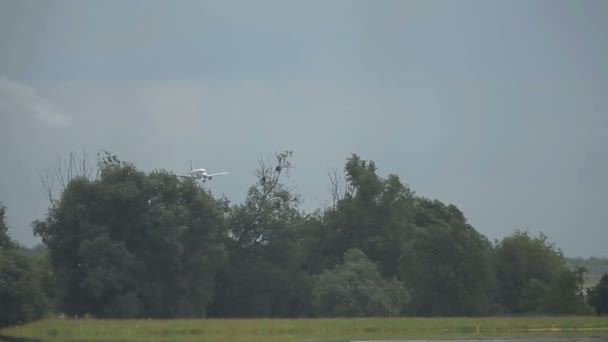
(253, 330)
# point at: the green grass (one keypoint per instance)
(275, 330)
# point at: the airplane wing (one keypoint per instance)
(217, 174)
(186, 176)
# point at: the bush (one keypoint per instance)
(355, 288)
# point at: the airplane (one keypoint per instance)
(201, 174)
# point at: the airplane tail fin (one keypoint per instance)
(191, 164)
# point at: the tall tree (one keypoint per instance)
(524, 265)
(429, 246)
(446, 263)
(108, 237)
(265, 275)
(374, 216)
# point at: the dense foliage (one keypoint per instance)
(127, 243)
(355, 288)
(21, 295)
(598, 296)
(130, 244)
(5, 239)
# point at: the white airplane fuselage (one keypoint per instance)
(203, 175)
(199, 173)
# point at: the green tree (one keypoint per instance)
(598, 296)
(44, 278)
(21, 299)
(534, 296)
(429, 246)
(446, 263)
(264, 275)
(356, 288)
(566, 294)
(373, 215)
(526, 267)
(109, 238)
(5, 239)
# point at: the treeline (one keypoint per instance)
(596, 267)
(126, 243)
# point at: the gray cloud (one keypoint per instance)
(17, 99)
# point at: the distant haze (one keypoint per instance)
(499, 107)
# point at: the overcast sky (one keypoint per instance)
(499, 107)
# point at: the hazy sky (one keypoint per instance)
(499, 107)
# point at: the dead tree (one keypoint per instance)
(63, 171)
(338, 187)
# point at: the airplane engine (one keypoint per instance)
(210, 178)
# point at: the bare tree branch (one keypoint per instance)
(62, 172)
(335, 187)
(48, 183)
(339, 188)
(268, 190)
(70, 168)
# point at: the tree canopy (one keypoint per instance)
(130, 244)
(355, 288)
(598, 296)
(21, 297)
(121, 242)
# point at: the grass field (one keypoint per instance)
(275, 330)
